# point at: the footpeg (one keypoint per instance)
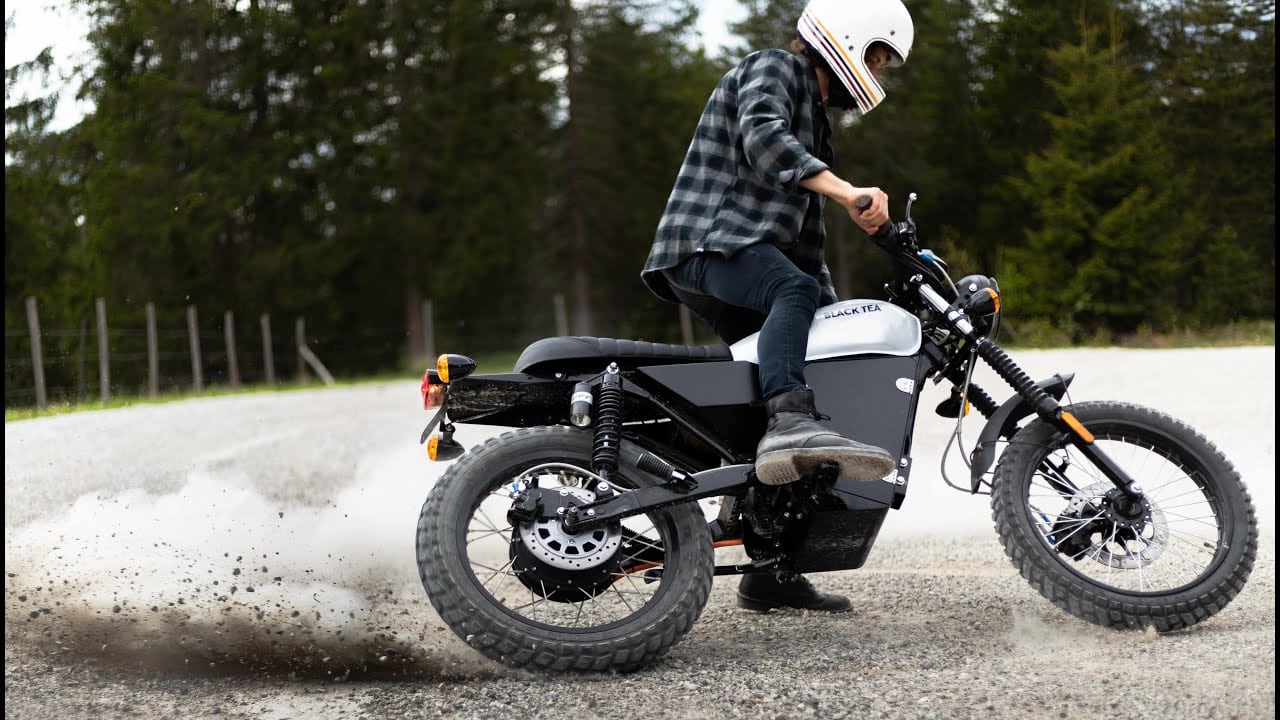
(655, 465)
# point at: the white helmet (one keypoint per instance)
(841, 31)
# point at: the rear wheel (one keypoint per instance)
(613, 598)
(1176, 558)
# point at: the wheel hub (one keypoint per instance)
(550, 544)
(564, 566)
(1113, 529)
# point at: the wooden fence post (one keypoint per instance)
(428, 332)
(686, 325)
(37, 356)
(80, 370)
(300, 335)
(104, 367)
(153, 353)
(233, 365)
(268, 357)
(315, 364)
(562, 317)
(197, 372)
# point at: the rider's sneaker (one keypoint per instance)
(762, 592)
(795, 443)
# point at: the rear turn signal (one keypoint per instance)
(443, 447)
(454, 367)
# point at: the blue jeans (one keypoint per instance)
(758, 289)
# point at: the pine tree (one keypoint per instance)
(1216, 81)
(1102, 252)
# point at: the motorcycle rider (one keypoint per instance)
(741, 240)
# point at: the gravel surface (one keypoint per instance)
(252, 556)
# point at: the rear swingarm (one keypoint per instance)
(537, 503)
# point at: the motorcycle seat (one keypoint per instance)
(593, 354)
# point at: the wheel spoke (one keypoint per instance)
(497, 572)
(1173, 544)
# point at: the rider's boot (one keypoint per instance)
(794, 443)
(763, 592)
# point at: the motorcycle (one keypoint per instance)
(578, 542)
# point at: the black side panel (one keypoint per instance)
(872, 400)
(710, 384)
(721, 396)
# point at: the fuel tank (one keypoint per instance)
(848, 328)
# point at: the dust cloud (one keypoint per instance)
(217, 577)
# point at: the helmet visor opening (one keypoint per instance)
(895, 58)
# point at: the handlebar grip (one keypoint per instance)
(862, 203)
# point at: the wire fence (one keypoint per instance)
(177, 351)
(97, 361)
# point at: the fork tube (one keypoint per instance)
(1052, 411)
(1044, 404)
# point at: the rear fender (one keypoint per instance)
(511, 400)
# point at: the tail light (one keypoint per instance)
(435, 389)
(432, 390)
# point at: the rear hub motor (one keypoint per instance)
(564, 566)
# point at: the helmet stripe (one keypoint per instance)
(868, 94)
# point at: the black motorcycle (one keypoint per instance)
(577, 541)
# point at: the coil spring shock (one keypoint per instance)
(608, 435)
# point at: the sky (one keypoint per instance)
(49, 23)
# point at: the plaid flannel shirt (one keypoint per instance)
(764, 129)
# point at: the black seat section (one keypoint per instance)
(574, 354)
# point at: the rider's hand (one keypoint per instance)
(873, 217)
(827, 183)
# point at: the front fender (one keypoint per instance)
(1003, 423)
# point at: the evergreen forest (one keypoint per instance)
(1110, 162)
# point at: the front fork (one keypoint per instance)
(1045, 405)
(1051, 411)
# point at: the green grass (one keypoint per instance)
(123, 401)
(1259, 333)
(1038, 334)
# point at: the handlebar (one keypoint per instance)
(882, 235)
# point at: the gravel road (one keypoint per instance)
(252, 556)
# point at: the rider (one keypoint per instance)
(741, 240)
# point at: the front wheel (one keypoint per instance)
(533, 595)
(1177, 559)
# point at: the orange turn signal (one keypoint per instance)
(1081, 431)
(995, 299)
(454, 367)
(443, 447)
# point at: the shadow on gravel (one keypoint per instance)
(167, 641)
(259, 660)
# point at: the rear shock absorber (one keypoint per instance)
(608, 435)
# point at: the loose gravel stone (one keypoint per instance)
(133, 538)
